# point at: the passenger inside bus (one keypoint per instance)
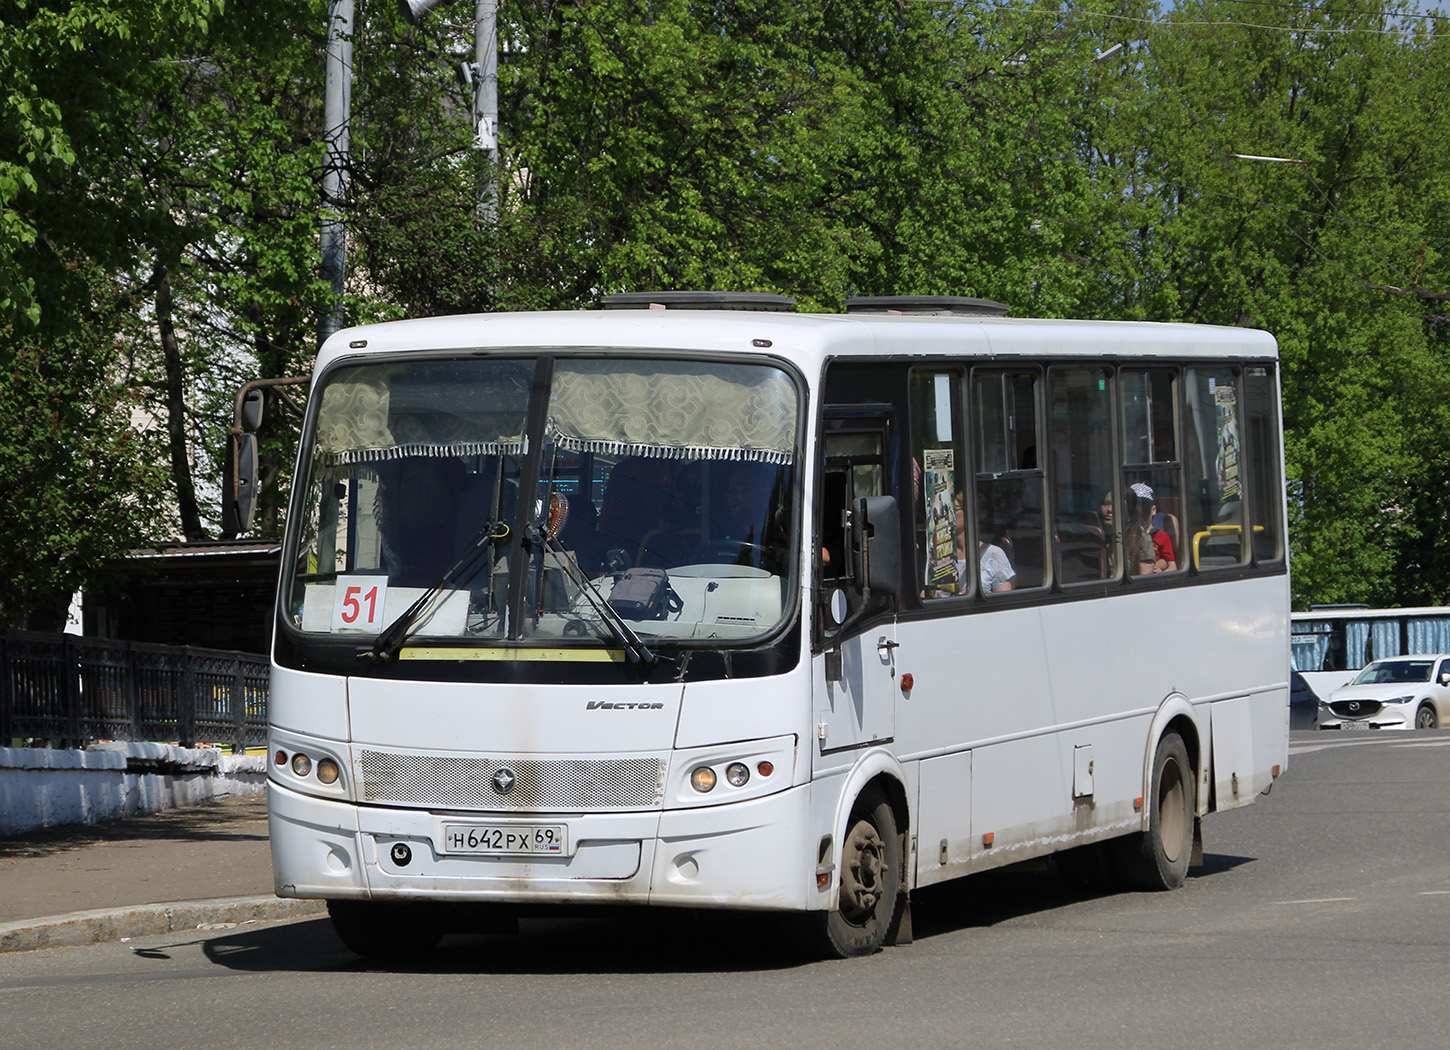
(1149, 549)
(746, 521)
(994, 568)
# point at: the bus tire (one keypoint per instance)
(385, 929)
(870, 882)
(1157, 859)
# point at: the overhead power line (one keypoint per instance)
(1175, 22)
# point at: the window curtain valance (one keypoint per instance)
(359, 423)
(674, 410)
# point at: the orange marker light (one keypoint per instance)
(765, 768)
(989, 838)
(907, 681)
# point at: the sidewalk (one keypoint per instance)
(165, 871)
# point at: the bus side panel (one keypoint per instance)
(944, 818)
(980, 719)
(1240, 769)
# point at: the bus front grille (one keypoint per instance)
(455, 782)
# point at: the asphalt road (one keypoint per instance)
(1320, 919)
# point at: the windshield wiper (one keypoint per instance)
(391, 638)
(634, 646)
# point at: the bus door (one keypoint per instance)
(855, 672)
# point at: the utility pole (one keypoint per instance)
(482, 74)
(336, 110)
(485, 103)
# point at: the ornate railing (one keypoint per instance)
(61, 690)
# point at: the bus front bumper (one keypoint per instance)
(755, 854)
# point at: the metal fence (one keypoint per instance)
(61, 690)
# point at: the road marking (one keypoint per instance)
(1320, 900)
(1359, 740)
(1309, 749)
(1434, 893)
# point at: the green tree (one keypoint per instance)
(157, 207)
(1328, 252)
(78, 484)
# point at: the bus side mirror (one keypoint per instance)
(239, 488)
(250, 412)
(876, 543)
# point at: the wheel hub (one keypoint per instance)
(864, 857)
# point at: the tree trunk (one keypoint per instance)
(175, 389)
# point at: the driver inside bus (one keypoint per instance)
(747, 505)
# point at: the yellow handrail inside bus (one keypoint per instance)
(1217, 530)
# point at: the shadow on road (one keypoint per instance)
(228, 819)
(637, 941)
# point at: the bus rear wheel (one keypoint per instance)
(870, 882)
(1157, 859)
(386, 929)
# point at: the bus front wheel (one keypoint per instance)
(870, 881)
(385, 929)
(1157, 859)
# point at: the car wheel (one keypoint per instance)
(1425, 717)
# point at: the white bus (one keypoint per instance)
(721, 605)
(1332, 642)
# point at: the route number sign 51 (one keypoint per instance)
(358, 603)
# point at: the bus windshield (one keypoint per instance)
(488, 500)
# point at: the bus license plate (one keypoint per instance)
(546, 839)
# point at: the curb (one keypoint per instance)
(114, 924)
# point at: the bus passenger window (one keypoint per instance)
(1215, 526)
(1081, 444)
(1009, 477)
(1152, 519)
(938, 468)
(1261, 450)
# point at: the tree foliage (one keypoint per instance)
(159, 171)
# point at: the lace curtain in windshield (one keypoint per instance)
(372, 414)
(674, 410)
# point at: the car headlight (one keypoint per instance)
(1401, 699)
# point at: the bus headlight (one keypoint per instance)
(311, 766)
(726, 773)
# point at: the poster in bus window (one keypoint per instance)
(939, 489)
(1227, 459)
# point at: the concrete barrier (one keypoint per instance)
(40, 788)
